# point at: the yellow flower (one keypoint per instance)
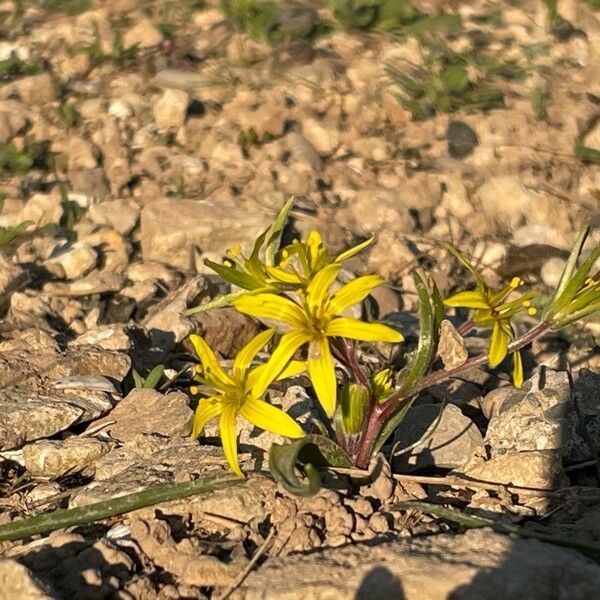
(382, 385)
(240, 393)
(490, 309)
(301, 261)
(313, 320)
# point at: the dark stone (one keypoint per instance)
(461, 139)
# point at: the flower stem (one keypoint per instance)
(381, 413)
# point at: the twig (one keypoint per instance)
(242, 576)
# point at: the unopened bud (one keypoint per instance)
(354, 405)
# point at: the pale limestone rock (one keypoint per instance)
(76, 261)
(171, 109)
(452, 444)
(477, 564)
(211, 225)
(55, 458)
(144, 34)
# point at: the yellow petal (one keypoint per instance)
(244, 357)
(354, 250)
(211, 369)
(322, 374)
(228, 434)
(294, 367)
(517, 370)
(472, 299)
(498, 345)
(271, 306)
(353, 292)
(289, 343)
(208, 408)
(359, 330)
(270, 418)
(316, 250)
(281, 275)
(318, 289)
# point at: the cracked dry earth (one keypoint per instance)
(138, 149)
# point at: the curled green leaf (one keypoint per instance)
(306, 456)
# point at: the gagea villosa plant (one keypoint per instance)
(295, 290)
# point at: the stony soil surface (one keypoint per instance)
(140, 139)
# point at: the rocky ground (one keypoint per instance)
(139, 139)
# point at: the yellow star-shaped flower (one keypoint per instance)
(240, 393)
(314, 319)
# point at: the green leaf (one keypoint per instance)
(83, 515)
(455, 80)
(465, 262)
(275, 232)
(575, 282)
(571, 264)
(306, 455)
(8, 234)
(427, 334)
(154, 376)
(234, 276)
(138, 380)
(474, 522)
(218, 302)
(392, 423)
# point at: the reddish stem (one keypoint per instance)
(381, 413)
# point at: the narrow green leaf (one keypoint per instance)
(232, 275)
(83, 515)
(218, 302)
(275, 232)
(475, 522)
(393, 422)
(154, 376)
(465, 262)
(138, 380)
(575, 283)
(571, 263)
(426, 346)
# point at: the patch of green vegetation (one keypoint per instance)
(69, 114)
(539, 101)
(448, 90)
(271, 22)
(13, 66)
(70, 7)
(151, 380)
(248, 138)
(16, 162)
(593, 4)
(8, 234)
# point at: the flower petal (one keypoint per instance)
(244, 357)
(322, 374)
(227, 431)
(211, 369)
(270, 418)
(281, 275)
(289, 343)
(208, 408)
(293, 368)
(353, 292)
(517, 370)
(318, 289)
(354, 250)
(271, 306)
(472, 299)
(358, 330)
(498, 345)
